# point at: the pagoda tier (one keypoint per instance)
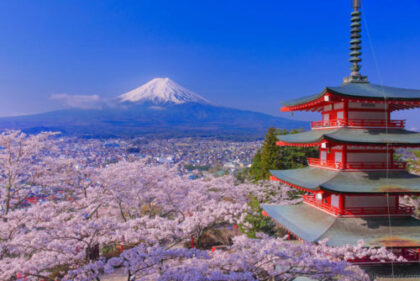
(349, 194)
(313, 179)
(366, 95)
(313, 225)
(356, 137)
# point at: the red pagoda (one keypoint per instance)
(353, 190)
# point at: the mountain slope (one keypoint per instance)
(161, 109)
(176, 120)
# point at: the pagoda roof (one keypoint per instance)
(354, 136)
(359, 91)
(316, 179)
(313, 225)
(362, 90)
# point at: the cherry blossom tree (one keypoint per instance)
(266, 258)
(70, 175)
(126, 202)
(21, 158)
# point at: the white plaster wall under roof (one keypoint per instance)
(367, 157)
(370, 115)
(369, 201)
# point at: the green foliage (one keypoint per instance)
(256, 171)
(110, 251)
(269, 154)
(242, 175)
(414, 164)
(258, 222)
(273, 157)
(294, 157)
(417, 153)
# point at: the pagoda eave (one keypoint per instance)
(273, 178)
(314, 225)
(311, 179)
(360, 144)
(343, 135)
(396, 98)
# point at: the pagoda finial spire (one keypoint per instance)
(355, 46)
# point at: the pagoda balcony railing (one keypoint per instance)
(392, 165)
(368, 123)
(310, 199)
(358, 211)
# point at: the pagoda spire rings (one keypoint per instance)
(355, 45)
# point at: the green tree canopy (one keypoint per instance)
(273, 157)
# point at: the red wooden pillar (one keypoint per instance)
(346, 111)
(341, 203)
(344, 151)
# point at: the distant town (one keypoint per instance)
(192, 154)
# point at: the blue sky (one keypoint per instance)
(243, 54)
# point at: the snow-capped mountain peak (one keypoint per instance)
(161, 91)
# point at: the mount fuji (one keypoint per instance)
(162, 91)
(160, 108)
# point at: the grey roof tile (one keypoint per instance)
(315, 179)
(356, 136)
(314, 225)
(362, 90)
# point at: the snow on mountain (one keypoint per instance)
(162, 91)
